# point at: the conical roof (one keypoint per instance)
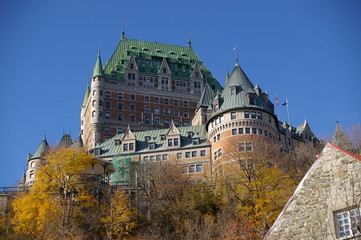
(98, 69)
(340, 139)
(206, 97)
(238, 90)
(41, 149)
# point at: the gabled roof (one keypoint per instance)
(243, 87)
(43, 147)
(128, 135)
(207, 97)
(316, 195)
(150, 55)
(173, 130)
(98, 68)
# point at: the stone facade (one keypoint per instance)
(326, 203)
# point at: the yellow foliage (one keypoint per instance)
(52, 200)
(119, 219)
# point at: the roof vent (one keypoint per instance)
(158, 51)
(145, 49)
(172, 53)
(133, 47)
(183, 54)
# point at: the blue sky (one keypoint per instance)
(307, 51)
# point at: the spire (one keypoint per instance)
(189, 40)
(98, 69)
(43, 147)
(227, 75)
(123, 33)
(235, 55)
(340, 139)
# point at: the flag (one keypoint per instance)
(285, 103)
(276, 101)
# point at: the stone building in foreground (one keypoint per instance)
(326, 204)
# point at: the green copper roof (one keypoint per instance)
(149, 57)
(98, 69)
(109, 148)
(238, 91)
(86, 96)
(207, 97)
(41, 149)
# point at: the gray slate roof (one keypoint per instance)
(43, 147)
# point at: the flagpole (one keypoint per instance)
(288, 113)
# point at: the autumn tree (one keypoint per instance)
(256, 192)
(56, 205)
(118, 216)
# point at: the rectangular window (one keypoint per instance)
(120, 106)
(107, 94)
(278, 137)
(166, 101)
(146, 159)
(203, 153)
(120, 95)
(131, 146)
(194, 154)
(259, 115)
(233, 115)
(179, 155)
(248, 130)
(156, 121)
(146, 109)
(176, 142)
(246, 114)
(106, 130)
(107, 115)
(107, 104)
(234, 131)
(192, 168)
(245, 147)
(240, 130)
(166, 111)
(132, 118)
(120, 116)
(132, 107)
(146, 99)
(152, 158)
(253, 114)
(185, 114)
(254, 130)
(132, 97)
(170, 142)
(195, 141)
(176, 112)
(188, 154)
(289, 141)
(166, 122)
(199, 168)
(218, 137)
(164, 157)
(125, 147)
(347, 223)
(156, 100)
(260, 131)
(119, 130)
(269, 119)
(175, 102)
(185, 103)
(156, 110)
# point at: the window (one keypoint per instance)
(107, 104)
(233, 115)
(253, 114)
(176, 141)
(175, 102)
(179, 155)
(107, 115)
(194, 154)
(176, 112)
(119, 130)
(152, 158)
(188, 154)
(131, 146)
(156, 110)
(252, 101)
(233, 90)
(94, 102)
(101, 92)
(125, 147)
(100, 103)
(147, 120)
(347, 223)
(248, 130)
(289, 141)
(186, 123)
(246, 114)
(234, 131)
(218, 137)
(240, 130)
(120, 106)
(185, 114)
(185, 103)
(132, 107)
(132, 118)
(166, 111)
(170, 142)
(93, 114)
(166, 101)
(132, 97)
(120, 116)
(146, 99)
(245, 147)
(259, 115)
(146, 109)
(269, 119)
(107, 94)
(218, 153)
(203, 153)
(278, 137)
(32, 164)
(164, 157)
(260, 131)
(176, 123)
(120, 95)
(199, 168)
(146, 159)
(192, 168)
(31, 175)
(254, 130)
(156, 100)
(156, 121)
(166, 122)
(100, 113)
(195, 141)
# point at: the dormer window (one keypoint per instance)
(190, 134)
(125, 147)
(252, 100)
(164, 70)
(147, 138)
(152, 145)
(162, 137)
(233, 90)
(195, 141)
(117, 142)
(176, 141)
(97, 151)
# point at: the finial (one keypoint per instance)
(235, 55)
(98, 52)
(189, 40)
(123, 33)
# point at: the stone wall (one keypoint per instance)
(332, 184)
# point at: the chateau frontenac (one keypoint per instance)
(154, 102)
